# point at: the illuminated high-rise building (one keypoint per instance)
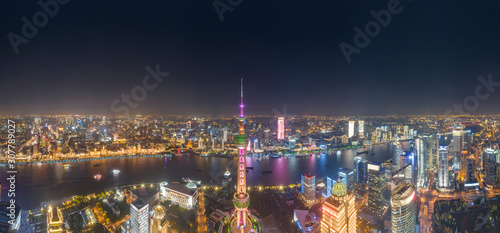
(457, 147)
(350, 133)
(339, 211)
(256, 144)
(241, 220)
(292, 143)
(281, 128)
(360, 167)
(348, 177)
(403, 209)
(361, 128)
(469, 171)
(376, 187)
(308, 187)
(421, 162)
(490, 156)
(431, 144)
(443, 172)
(139, 217)
(397, 151)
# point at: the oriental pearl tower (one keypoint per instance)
(241, 220)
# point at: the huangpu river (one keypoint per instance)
(36, 183)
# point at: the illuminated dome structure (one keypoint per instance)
(159, 212)
(339, 189)
(159, 223)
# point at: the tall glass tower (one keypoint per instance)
(376, 187)
(443, 173)
(403, 209)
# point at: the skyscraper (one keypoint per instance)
(443, 173)
(360, 167)
(361, 128)
(348, 177)
(421, 164)
(490, 156)
(330, 181)
(139, 217)
(403, 209)
(308, 187)
(376, 187)
(339, 211)
(240, 221)
(397, 151)
(351, 129)
(281, 128)
(430, 150)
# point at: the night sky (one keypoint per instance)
(427, 58)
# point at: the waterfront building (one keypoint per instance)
(184, 195)
(139, 216)
(308, 187)
(376, 187)
(351, 129)
(281, 128)
(339, 211)
(403, 209)
(292, 143)
(226, 183)
(443, 172)
(361, 128)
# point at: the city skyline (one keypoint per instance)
(355, 116)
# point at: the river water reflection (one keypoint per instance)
(37, 183)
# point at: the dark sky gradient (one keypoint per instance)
(91, 52)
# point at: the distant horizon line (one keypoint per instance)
(255, 115)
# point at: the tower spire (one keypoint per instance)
(241, 100)
(241, 200)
